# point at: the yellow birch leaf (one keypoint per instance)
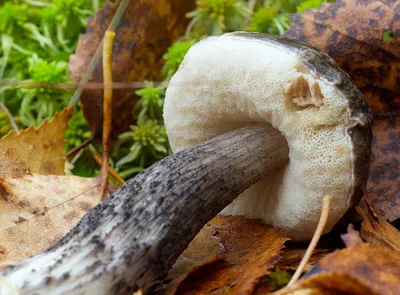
(38, 204)
(38, 210)
(35, 150)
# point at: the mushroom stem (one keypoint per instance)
(131, 239)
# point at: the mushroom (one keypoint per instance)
(298, 103)
(132, 238)
(239, 79)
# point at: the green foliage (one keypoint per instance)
(309, 4)
(269, 20)
(388, 36)
(150, 102)
(12, 16)
(5, 125)
(147, 142)
(174, 57)
(39, 104)
(213, 17)
(78, 130)
(277, 279)
(37, 38)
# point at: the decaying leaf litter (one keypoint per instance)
(39, 204)
(330, 281)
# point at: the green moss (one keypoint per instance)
(277, 279)
(5, 125)
(269, 20)
(150, 103)
(309, 4)
(388, 36)
(213, 17)
(78, 130)
(174, 57)
(141, 147)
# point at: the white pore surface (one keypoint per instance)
(228, 82)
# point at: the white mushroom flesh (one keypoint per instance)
(228, 82)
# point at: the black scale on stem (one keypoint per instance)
(132, 239)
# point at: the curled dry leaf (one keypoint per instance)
(146, 30)
(252, 250)
(376, 230)
(328, 284)
(291, 258)
(35, 150)
(363, 37)
(38, 210)
(363, 268)
(203, 250)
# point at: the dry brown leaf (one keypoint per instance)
(376, 230)
(252, 250)
(353, 33)
(364, 267)
(35, 150)
(203, 250)
(146, 30)
(327, 284)
(291, 258)
(37, 210)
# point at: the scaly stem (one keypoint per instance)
(133, 237)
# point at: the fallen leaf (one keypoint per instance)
(252, 250)
(203, 250)
(375, 267)
(39, 205)
(35, 150)
(38, 210)
(327, 284)
(273, 281)
(352, 237)
(290, 261)
(146, 30)
(384, 184)
(375, 229)
(355, 34)
(291, 258)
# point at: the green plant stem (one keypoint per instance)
(10, 118)
(96, 57)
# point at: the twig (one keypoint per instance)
(79, 147)
(317, 235)
(71, 86)
(111, 171)
(10, 118)
(107, 109)
(96, 57)
(251, 6)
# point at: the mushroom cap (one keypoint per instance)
(237, 79)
